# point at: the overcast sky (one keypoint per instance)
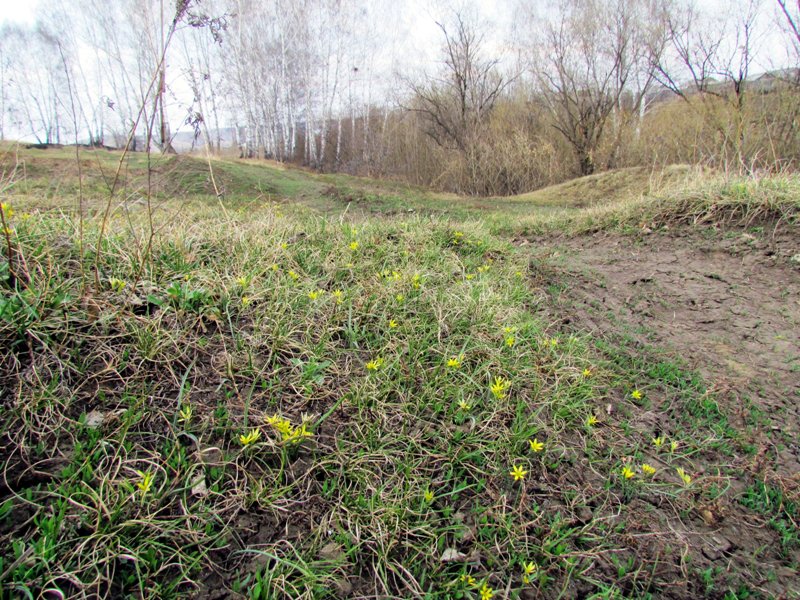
(420, 19)
(412, 26)
(19, 11)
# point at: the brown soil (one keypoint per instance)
(727, 305)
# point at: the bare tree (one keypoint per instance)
(709, 64)
(792, 16)
(458, 102)
(593, 64)
(790, 24)
(35, 83)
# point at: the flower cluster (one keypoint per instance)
(499, 387)
(289, 434)
(390, 275)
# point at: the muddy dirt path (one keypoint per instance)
(725, 304)
(728, 303)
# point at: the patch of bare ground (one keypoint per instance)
(727, 303)
(724, 303)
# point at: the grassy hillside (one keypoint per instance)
(327, 387)
(620, 184)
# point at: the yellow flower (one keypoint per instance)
(464, 405)
(591, 420)
(483, 269)
(294, 275)
(428, 496)
(338, 295)
(528, 569)
(6, 208)
(636, 395)
(392, 324)
(458, 235)
(587, 372)
(486, 592)
(250, 438)
(658, 441)
(399, 298)
(454, 363)
(673, 446)
(145, 481)
(684, 477)
(648, 470)
(627, 473)
(468, 579)
(510, 341)
(509, 329)
(290, 434)
(518, 274)
(313, 295)
(354, 245)
(353, 231)
(374, 365)
(518, 473)
(470, 276)
(415, 281)
(536, 445)
(499, 387)
(553, 342)
(243, 281)
(245, 300)
(117, 285)
(185, 413)
(284, 246)
(284, 427)
(274, 266)
(298, 434)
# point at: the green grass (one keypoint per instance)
(781, 511)
(608, 186)
(149, 404)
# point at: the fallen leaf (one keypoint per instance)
(95, 419)
(199, 487)
(331, 551)
(452, 555)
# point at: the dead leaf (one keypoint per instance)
(452, 555)
(199, 487)
(95, 419)
(331, 551)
